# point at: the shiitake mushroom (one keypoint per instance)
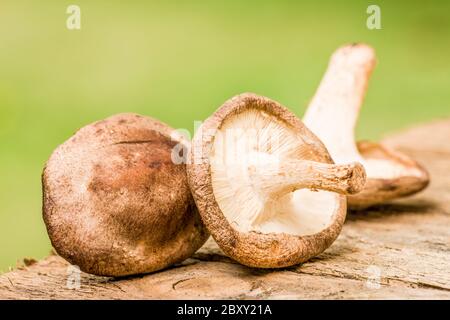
(115, 203)
(265, 185)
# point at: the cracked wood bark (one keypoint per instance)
(406, 243)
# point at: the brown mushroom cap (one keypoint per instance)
(114, 202)
(301, 223)
(393, 175)
(332, 115)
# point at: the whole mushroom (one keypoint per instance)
(332, 115)
(266, 186)
(115, 203)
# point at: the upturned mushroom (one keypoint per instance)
(265, 186)
(114, 202)
(332, 115)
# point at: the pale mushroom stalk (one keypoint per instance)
(279, 179)
(267, 189)
(332, 116)
(333, 112)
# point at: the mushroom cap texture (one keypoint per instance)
(114, 202)
(255, 249)
(377, 190)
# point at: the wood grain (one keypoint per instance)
(397, 250)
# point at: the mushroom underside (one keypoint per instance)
(391, 175)
(253, 141)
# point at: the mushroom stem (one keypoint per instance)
(333, 112)
(278, 179)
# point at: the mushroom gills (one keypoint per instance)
(385, 169)
(264, 182)
(333, 113)
(344, 150)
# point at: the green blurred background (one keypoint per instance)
(178, 61)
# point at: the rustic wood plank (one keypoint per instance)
(397, 250)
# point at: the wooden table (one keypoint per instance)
(398, 250)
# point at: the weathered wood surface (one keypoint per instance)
(405, 245)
